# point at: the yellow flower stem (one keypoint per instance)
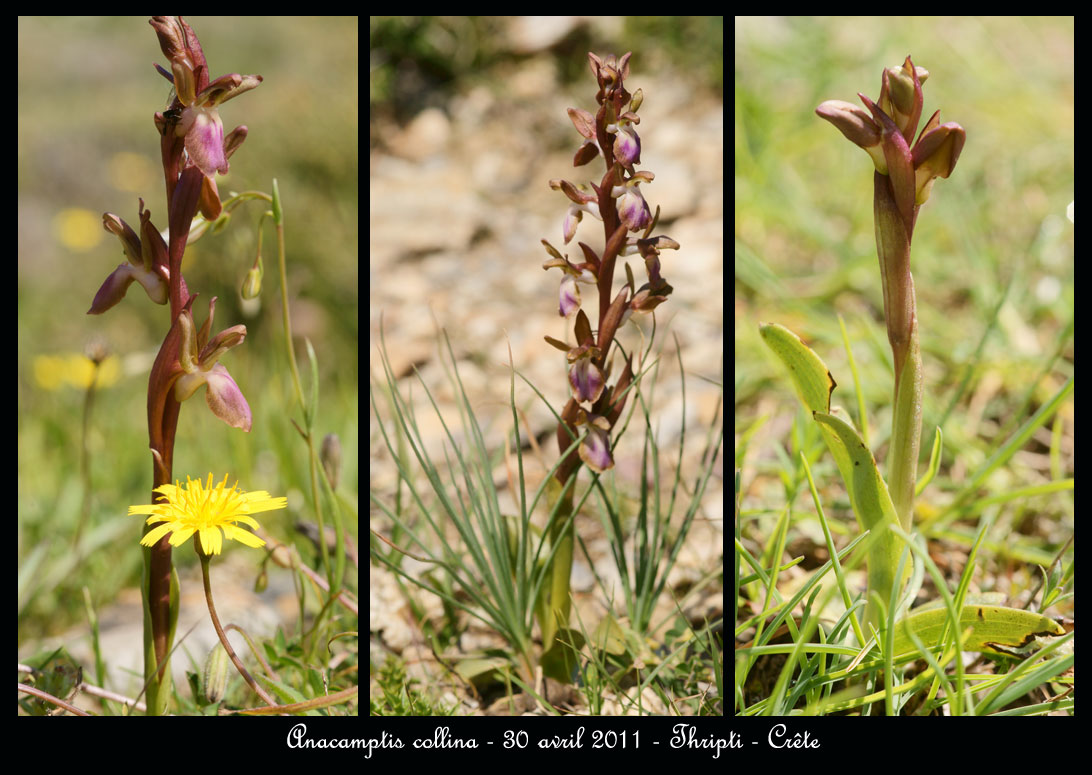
(220, 630)
(334, 569)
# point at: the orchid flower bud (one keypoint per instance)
(935, 155)
(632, 207)
(582, 200)
(252, 283)
(901, 98)
(857, 125)
(595, 449)
(198, 361)
(627, 145)
(147, 263)
(570, 295)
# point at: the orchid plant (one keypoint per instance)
(905, 171)
(209, 515)
(902, 182)
(504, 569)
(193, 149)
(627, 227)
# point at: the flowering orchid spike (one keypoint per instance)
(193, 148)
(903, 181)
(886, 130)
(619, 203)
(198, 100)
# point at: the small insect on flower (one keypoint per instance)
(171, 115)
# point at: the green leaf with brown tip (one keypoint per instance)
(995, 629)
(809, 374)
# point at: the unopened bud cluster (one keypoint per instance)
(886, 130)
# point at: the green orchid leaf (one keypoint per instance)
(813, 381)
(867, 489)
(994, 629)
(870, 500)
(810, 375)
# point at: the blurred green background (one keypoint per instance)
(87, 145)
(804, 244)
(416, 59)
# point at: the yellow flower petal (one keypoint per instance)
(213, 513)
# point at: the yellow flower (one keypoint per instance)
(207, 511)
(52, 372)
